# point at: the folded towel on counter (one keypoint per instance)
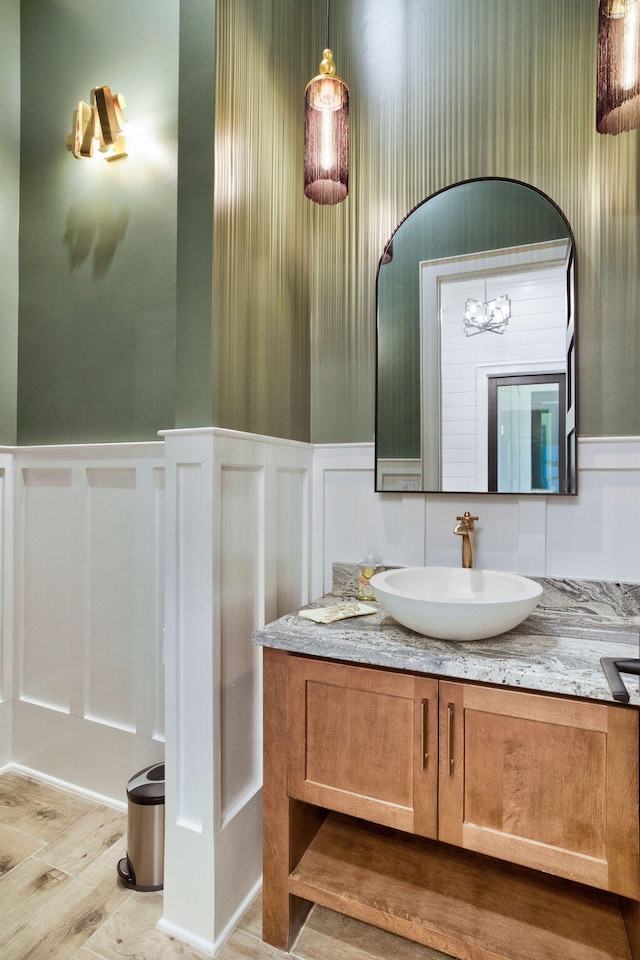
(340, 611)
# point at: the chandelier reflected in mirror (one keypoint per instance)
(486, 316)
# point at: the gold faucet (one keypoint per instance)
(465, 530)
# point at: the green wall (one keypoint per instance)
(164, 291)
(9, 212)
(97, 240)
(168, 289)
(195, 218)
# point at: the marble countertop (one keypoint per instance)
(557, 649)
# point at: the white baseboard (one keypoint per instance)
(208, 947)
(63, 785)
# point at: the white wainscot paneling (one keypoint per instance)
(97, 539)
(589, 536)
(237, 549)
(292, 539)
(596, 537)
(241, 595)
(6, 606)
(46, 620)
(351, 521)
(89, 613)
(111, 574)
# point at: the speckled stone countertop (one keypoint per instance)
(557, 649)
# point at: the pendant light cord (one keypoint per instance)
(328, 9)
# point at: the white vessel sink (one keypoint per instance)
(451, 603)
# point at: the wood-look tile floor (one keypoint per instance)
(60, 897)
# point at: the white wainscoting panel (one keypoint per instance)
(591, 536)
(237, 537)
(6, 606)
(292, 549)
(46, 609)
(95, 556)
(241, 599)
(351, 521)
(600, 537)
(111, 542)
(88, 618)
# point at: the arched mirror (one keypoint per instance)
(476, 380)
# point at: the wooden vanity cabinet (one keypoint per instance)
(547, 782)
(446, 811)
(364, 742)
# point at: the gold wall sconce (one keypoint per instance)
(326, 133)
(618, 83)
(98, 127)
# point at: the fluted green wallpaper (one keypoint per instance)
(262, 220)
(444, 91)
(9, 212)
(210, 290)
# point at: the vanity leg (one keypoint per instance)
(288, 825)
(631, 916)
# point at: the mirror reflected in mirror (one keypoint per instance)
(476, 377)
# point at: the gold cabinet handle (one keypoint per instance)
(425, 733)
(450, 737)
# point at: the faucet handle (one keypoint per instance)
(467, 519)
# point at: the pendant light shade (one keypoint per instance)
(326, 133)
(618, 84)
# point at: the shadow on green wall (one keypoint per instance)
(94, 229)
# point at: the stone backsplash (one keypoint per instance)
(598, 598)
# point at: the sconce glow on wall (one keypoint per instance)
(326, 133)
(98, 128)
(618, 84)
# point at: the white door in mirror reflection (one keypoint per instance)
(533, 281)
(525, 427)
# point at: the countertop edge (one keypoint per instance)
(549, 653)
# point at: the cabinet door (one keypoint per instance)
(542, 781)
(364, 742)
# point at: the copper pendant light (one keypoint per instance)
(618, 84)
(326, 133)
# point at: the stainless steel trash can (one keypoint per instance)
(143, 866)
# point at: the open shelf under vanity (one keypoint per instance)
(453, 900)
